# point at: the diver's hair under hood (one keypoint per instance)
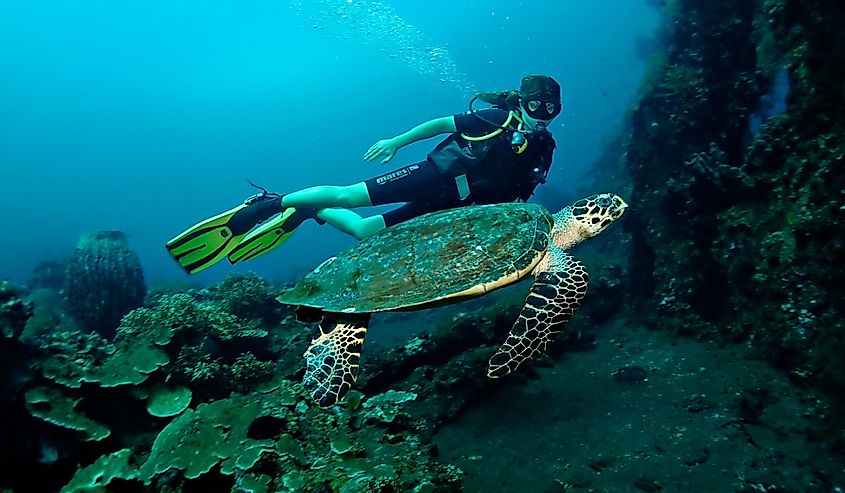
(537, 87)
(506, 100)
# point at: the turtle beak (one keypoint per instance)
(621, 205)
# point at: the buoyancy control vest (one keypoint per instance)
(502, 165)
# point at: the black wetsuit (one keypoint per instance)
(459, 172)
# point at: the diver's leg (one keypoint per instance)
(323, 196)
(351, 223)
(413, 183)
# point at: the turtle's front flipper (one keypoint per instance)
(332, 359)
(555, 296)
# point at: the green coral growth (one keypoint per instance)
(246, 296)
(127, 365)
(197, 366)
(166, 401)
(98, 475)
(385, 407)
(247, 370)
(201, 438)
(180, 312)
(54, 407)
(189, 350)
(138, 347)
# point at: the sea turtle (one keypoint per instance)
(446, 257)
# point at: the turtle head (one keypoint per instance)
(587, 218)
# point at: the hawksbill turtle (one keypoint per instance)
(446, 257)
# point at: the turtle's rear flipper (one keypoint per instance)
(332, 359)
(553, 299)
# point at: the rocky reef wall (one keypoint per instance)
(735, 231)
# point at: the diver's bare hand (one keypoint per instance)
(384, 149)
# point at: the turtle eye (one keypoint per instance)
(603, 201)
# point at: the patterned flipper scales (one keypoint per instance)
(554, 297)
(332, 360)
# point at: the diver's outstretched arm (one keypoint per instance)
(386, 148)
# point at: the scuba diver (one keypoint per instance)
(491, 155)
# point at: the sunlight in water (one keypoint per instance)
(377, 23)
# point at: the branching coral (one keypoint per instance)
(247, 296)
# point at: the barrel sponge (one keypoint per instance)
(104, 281)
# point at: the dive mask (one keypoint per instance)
(542, 110)
(540, 97)
(533, 123)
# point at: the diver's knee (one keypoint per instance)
(352, 196)
(345, 198)
(369, 227)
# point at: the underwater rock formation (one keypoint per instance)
(14, 352)
(14, 312)
(103, 281)
(18, 369)
(738, 235)
(731, 223)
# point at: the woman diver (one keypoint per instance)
(492, 155)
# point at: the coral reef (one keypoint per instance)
(186, 391)
(197, 392)
(103, 281)
(249, 297)
(190, 403)
(102, 472)
(279, 442)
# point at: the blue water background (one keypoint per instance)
(149, 116)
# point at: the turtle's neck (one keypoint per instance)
(566, 232)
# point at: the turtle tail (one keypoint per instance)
(332, 359)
